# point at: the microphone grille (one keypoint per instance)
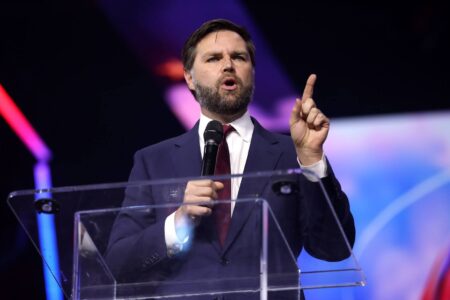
(214, 132)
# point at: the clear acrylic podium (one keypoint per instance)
(111, 240)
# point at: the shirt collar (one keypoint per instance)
(243, 126)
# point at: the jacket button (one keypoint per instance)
(224, 261)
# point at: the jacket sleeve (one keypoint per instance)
(323, 237)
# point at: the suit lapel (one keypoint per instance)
(263, 155)
(186, 156)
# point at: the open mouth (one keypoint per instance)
(229, 84)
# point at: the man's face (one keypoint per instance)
(222, 73)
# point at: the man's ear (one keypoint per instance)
(189, 80)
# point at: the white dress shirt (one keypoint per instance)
(238, 144)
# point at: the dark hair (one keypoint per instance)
(188, 53)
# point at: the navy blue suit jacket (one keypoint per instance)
(137, 249)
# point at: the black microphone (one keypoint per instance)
(213, 135)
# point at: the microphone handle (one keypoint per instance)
(209, 158)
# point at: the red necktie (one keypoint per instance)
(222, 211)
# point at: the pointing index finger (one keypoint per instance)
(309, 87)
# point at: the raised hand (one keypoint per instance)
(308, 125)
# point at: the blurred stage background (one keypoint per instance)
(100, 79)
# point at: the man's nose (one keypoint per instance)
(228, 65)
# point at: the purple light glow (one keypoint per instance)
(183, 104)
(42, 175)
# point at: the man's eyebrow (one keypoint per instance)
(240, 53)
(219, 53)
(212, 53)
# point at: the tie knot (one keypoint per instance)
(227, 129)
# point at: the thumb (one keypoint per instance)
(218, 185)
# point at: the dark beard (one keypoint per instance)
(210, 98)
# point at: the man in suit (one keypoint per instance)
(152, 246)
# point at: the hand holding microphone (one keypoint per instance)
(203, 190)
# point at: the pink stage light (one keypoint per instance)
(23, 129)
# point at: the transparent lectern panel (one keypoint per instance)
(199, 266)
(122, 241)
